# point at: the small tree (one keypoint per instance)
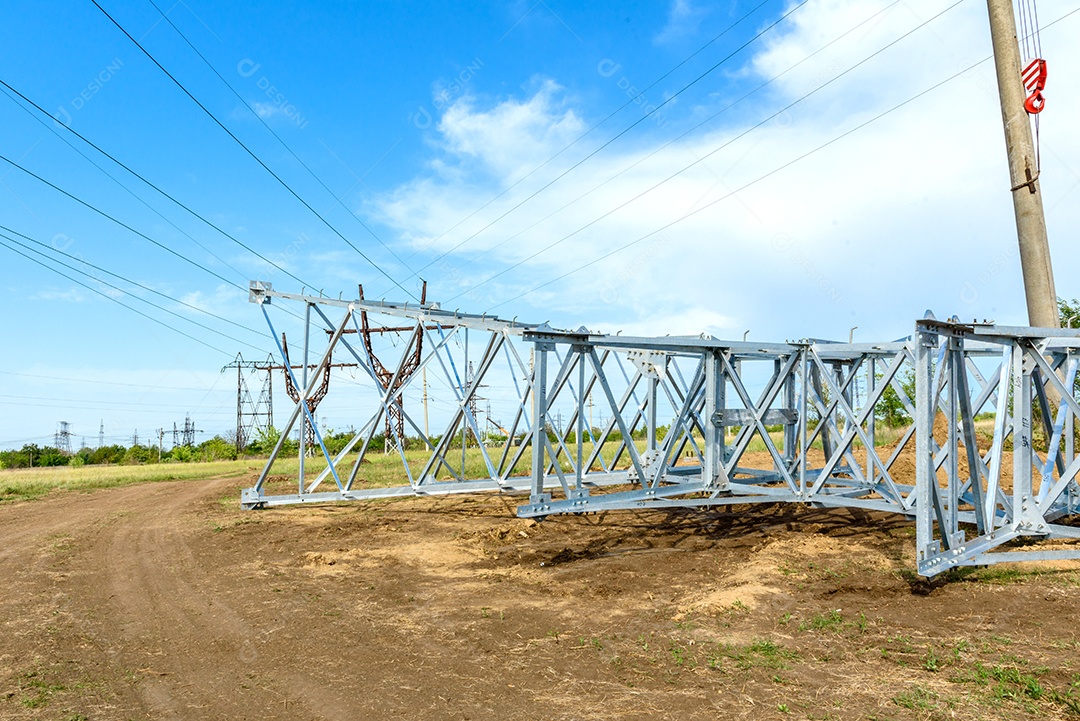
(890, 409)
(1069, 312)
(217, 449)
(137, 454)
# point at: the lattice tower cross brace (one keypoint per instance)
(313, 399)
(394, 418)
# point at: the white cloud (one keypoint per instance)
(683, 19)
(909, 213)
(71, 295)
(222, 298)
(267, 110)
(512, 136)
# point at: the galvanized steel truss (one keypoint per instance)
(696, 422)
(970, 500)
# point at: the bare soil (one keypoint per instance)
(164, 601)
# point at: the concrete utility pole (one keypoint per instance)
(1023, 170)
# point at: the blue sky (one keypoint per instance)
(444, 129)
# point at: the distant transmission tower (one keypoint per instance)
(252, 415)
(101, 434)
(63, 438)
(184, 436)
(189, 431)
(474, 401)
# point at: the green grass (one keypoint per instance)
(37, 691)
(831, 620)
(917, 699)
(27, 484)
(763, 653)
(378, 470)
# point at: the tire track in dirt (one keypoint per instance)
(159, 599)
(156, 591)
(25, 525)
(145, 602)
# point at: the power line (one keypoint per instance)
(770, 173)
(760, 178)
(594, 127)
(24, 440)
(102, 213)
(119, 277)
(250, 152)
(48, 126)
(96, 401)
(96, 382)
(115, 300)
(91, 406)
(623, 132)
(177, 202)
(121, 290)
(682, 135)
(337, 199)
(712, 152)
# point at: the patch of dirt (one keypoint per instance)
(903, 468)
(163, 601)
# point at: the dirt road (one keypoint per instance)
(164, 601)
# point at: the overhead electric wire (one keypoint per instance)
(92, 406)
(116, 300)
(27, 441)
(682, 135)
(177, 202)
(610, 115)
(117, 276)
(143, 300)
(743, 187)
(251, 153)
(96, 382)
(50, 128)
(122, 224)
(102, 402)
(337, 199)
(712, 152)
(623, 132)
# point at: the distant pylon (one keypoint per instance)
(101, 434)
(252, 415)
(188, 433)
(63, 438)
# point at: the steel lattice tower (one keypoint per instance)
(63, 438)
(252, 414)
